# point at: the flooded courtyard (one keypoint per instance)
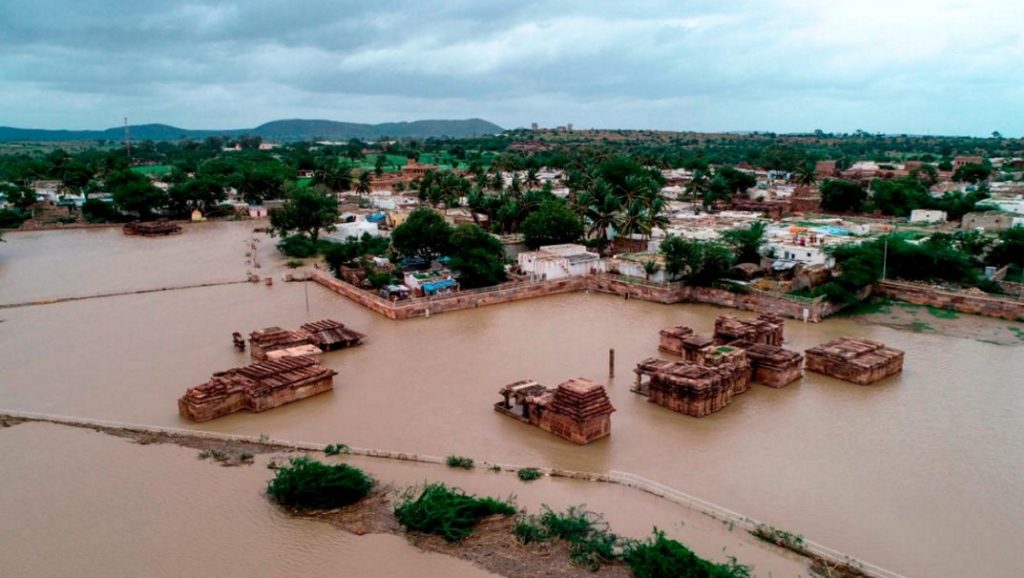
(898, 473)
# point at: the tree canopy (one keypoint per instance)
(306, 210)
(423, 234)
(841, 195)
(553, 223)
(477, 257)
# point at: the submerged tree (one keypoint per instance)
(306, 210)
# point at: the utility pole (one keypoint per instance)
(127, 141)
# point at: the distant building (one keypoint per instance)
(961, 161)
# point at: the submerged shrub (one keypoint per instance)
(335, 449)
(459, 462)
(307, 483)
(447, 512)
(661, 557)
(529, 474)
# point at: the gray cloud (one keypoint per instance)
(919, 66)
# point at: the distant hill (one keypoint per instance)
(278, 130)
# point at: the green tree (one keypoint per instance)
(843, 196)
(552, 224)
(898, 197)
(134, 193)
(306, 210)
(363, 184)
(698, 262)
(972, 173)
(20, 196)
(477, 256)
(201, 193)
(423, 234)
(1010, 248)
(747, 242)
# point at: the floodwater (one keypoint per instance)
(85, 503)
(899, 473)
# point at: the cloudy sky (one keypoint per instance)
(897, 66)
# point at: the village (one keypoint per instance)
(597, 309)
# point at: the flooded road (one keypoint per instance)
(898, 473)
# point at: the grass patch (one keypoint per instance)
(871, 306)
(529, 474)
(459, 462)
(943, 313)
(661, 557)
(447, 512)
(307, 483)
(336, 449)
(921, 327)
(591, 542)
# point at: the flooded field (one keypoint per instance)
(899, 473)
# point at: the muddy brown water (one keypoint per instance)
(919, 473)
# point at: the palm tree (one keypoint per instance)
(363, 184)
(806, 175)
(602, 214)
(630, 221)
(532, 178)
(655, 217)
(650, 268)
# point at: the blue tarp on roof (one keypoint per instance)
(376, 217)
(436, 286)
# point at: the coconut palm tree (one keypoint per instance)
(363, 183)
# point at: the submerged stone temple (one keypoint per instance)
(264, 341)
(860, 361)
(684, 387)
(774, 366)
(257, 387)
(767, 328)
(577, 410)
(682, 341)
(328, 334)
(323, 335)
(160, 227)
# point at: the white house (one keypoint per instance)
(560, 261)
(353, 230)
(927, 216)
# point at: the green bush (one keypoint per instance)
(307, 483)
(459, 462)
(591, 543)
(11, 218)
(447, 512)
(529, 474)
(335, 449)
(661, 557)
(299, 246)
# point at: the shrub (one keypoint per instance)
(529, 474)
(661, 557)
(779, 537)
(459, 462)
(11, 218)
(591, 543)
(335, 449)
(447, 512)
(307, 483)
(294, 263)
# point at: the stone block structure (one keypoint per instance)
(767, 328)
(774, 366)
(263, 341)
(682, 341)
(685, 387)
(329, 335)
(257, 387)
(577, 410)
(860, 361)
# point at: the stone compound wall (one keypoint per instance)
(629, 288)
(1009, 309)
